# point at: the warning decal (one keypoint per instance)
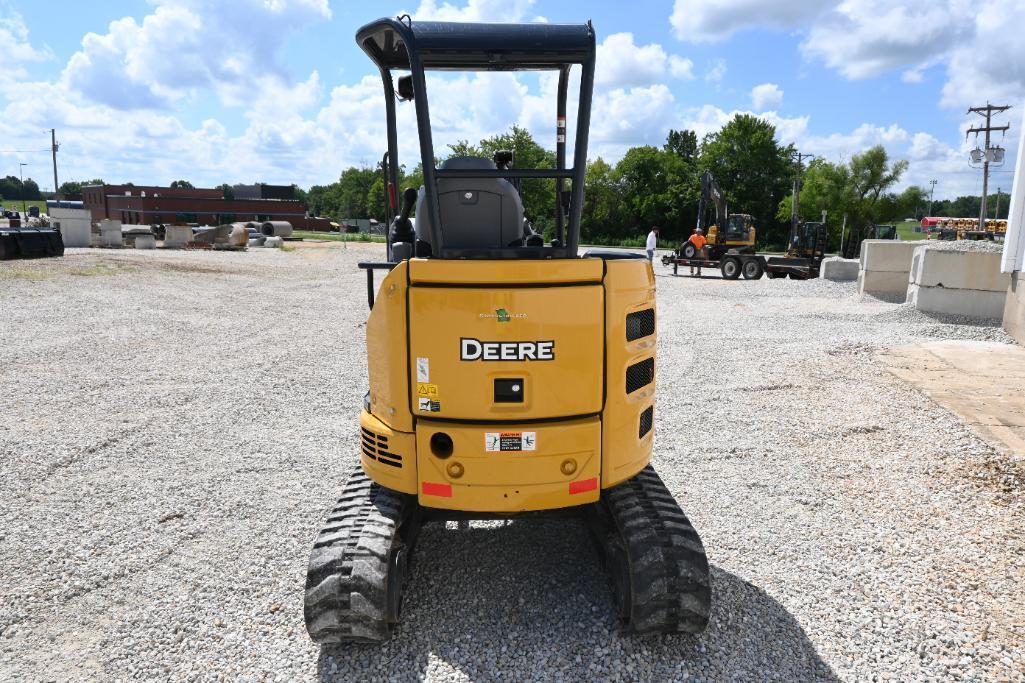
(429, 405)
(428, 390)
(510, 441)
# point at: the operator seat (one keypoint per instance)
(476, 213)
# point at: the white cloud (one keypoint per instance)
(185, 46)
(622, 63)
(862, 38)
(681, 67)
(975, 43)
(701, 20)
(474, 10)
(15, 47)
(766, 96)
(716, 72)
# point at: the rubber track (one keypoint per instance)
(670, 586)
(347, 581)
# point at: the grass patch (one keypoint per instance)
(99, 271)
(906, 231)
(338, 237)
(286, 247)
(30, 275)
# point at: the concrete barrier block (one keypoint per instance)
(886, 255)
(839, 269)
(890, 285)
(145, 242)
(110, 233)
(175, 236)
(1014, 308)
(970, 303)
(959, 270)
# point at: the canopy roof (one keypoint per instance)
(476, 47)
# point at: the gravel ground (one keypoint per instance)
(175, 426)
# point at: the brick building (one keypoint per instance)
(149, 204)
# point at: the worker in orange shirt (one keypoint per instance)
(699, 242)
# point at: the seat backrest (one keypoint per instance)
(476, 213)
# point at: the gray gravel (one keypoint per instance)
(175, 426)
(964, 245)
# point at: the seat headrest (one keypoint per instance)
(457, 163)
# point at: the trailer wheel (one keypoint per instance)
(730, 268)
(689, 250)
(752, 269)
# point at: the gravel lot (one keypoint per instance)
(175, 425)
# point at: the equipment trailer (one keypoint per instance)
(750, 266)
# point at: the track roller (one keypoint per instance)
(359, 564)
(654, 557)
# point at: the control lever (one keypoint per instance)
(402, 227)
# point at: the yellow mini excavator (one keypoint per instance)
(507, 375)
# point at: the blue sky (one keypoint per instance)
(277, 91)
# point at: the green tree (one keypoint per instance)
(753, 170)
(184, 184)
(353, 193)
(657, 188)
(74, 187)
(601, 201)
(856, 189)
(227, 191)
(683, 142)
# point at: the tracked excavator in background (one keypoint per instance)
(508, 376)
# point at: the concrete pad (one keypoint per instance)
(889, 284)
(979, 381)
(175, 236)
(839, 269)
(1014, 308)
(959, 270)
(887, 255)
(971, 303)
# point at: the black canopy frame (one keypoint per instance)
(402, 44)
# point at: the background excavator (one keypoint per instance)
(728, 232)
(508, 376)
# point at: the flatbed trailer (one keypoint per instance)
(750, 266)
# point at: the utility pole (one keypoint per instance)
(797, 191)
(988, 154)
(21, 177)
(53, 150)
(931, 191)
(996, 214)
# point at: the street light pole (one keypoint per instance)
(931, 191)
(21, 166)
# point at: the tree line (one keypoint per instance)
(660, 185)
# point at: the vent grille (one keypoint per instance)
(375, 447)
(647, 418)
(640, 324)
(640, 374)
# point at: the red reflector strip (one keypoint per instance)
(442, 490)
(583, 485)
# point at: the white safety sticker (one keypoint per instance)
(429, 405)
(423, 370)
(510, 441)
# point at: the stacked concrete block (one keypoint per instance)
(110, 233)
(176, 236)
(956, 282)
(884, 268)
(839, 269)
